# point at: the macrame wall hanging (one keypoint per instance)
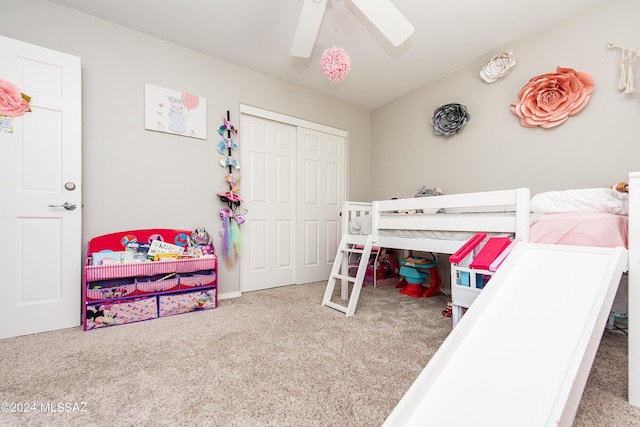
(231, 219)
(628, 57)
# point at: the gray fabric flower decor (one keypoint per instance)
(449, 119)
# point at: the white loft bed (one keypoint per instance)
(500, 212)
(440, 225)
(513, 206)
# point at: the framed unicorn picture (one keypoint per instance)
(175, 112)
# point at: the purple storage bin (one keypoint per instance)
(158, 283)
(197, 279)
(111, 289)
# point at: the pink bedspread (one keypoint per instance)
(581, 229)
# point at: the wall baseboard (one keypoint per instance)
(229, 295)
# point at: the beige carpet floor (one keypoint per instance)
(271, 358)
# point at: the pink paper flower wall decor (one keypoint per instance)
(335, 64)
(12, 102)
(549, 99)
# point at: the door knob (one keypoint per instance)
(67, 205)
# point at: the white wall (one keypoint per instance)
(595, 148)
(118, 154)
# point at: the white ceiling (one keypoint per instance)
(257, 34)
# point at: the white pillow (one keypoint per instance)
(581, 200)
(360, 225)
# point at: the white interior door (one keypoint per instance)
(40, 165)
(320, 189)
(268, 153)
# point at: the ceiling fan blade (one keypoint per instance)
(308, 27)
(387, 18)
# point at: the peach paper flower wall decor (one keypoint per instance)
(12, 102)
(549, 99)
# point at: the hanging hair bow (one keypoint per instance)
(230, 161)
(233, 182)
(227, 126)
(226, 143)
(231, 199)
(229, 196)
(231, 237)
(228, 213)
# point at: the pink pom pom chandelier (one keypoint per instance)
(335, 64)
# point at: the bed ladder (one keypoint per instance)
(340, 271)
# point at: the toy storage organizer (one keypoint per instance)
(382, 269)
(472, 266)
(115, 294)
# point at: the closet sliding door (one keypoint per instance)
(293, 181)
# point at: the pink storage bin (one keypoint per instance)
(163, 267)
(158, 283)
(111, 289)
(113, 271)
(197, 279)
(121, 312)
(196, 264)
(187, 302)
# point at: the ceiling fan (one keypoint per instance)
(382, 13)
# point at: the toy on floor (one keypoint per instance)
(414, 279)
(383, 266)
(414, 272)
(447, 312)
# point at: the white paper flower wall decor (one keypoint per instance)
(498, 66)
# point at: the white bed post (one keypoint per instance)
(522, 214)
(634, 289)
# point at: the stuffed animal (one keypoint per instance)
(406, 211)
(427, 192)
(200, 237)
(423, 192)
(622, 187)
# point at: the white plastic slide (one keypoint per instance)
(522, 353)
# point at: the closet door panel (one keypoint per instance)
(320, 190)
(268, 191)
